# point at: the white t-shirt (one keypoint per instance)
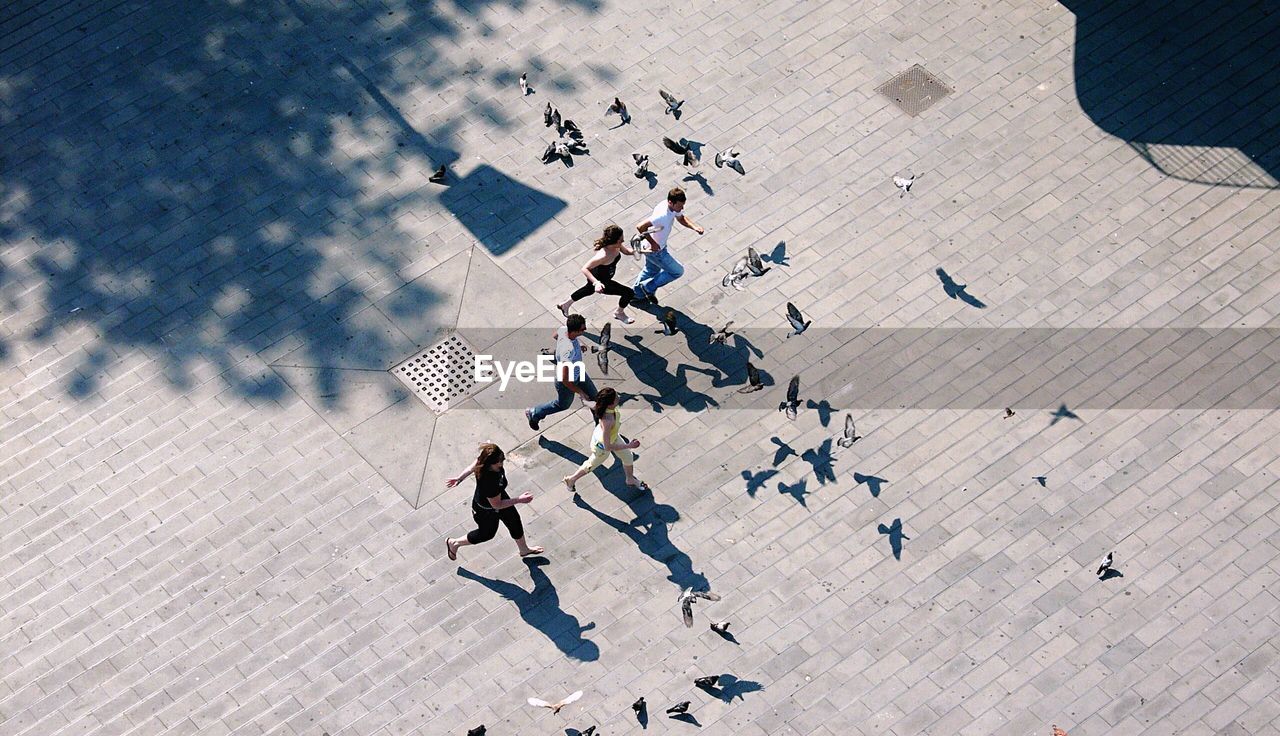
(662, 220)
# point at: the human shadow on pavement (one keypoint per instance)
(540, 608)
(650, 531)
(673, 389)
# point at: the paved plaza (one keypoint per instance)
(223, 512)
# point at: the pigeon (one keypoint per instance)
(904, 183)
(738, 274)
(720, 627)
(682, 149)
(555, 707)
(606, 341)
(798, 323)
(556, 149)
(1008, 413)
(1057, 731)
(721, 336)
(729, 158)
(850, 433)
(896, 536)
(524, 85)
(638, 706)
(793, 399)
(571, 129)
(755, 264)
(477, 731)
(673, 105)
(957, 291)
(551, 116)
(1043, 480)
(686, 603)
(619, 109)
(438, 177)
(708, 681)
(638, 240)
(1105, 567)
(679, 709)
(669, 322)
(589, 731)
(642, 170)
(753, 380)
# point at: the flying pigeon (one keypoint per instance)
(682, 149)
(755, 264)
(619, 109)
(686, 602)
(896, 536)
(753, 380)
(638, 240)
(555, 707)
(1042, 480)
(673, 105)
(1105, 567)
(708, 681)
(850, 433)
(679, 709)
(720, 627)
(1008, 413)
(904, 182)
(606, 341)
(438, 177)
(793, 399)
(957, 291)
(638, 706)
(798, 323)
(669, 322)
(642, 167)
(721, 336)
(524, 85)
(551, 116)
(738, 274)
(477, 731)
(589, 731)
(729, 158)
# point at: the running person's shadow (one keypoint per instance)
(654, 540)
(673, 388)
(540, 608)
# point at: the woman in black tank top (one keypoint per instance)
(599, 272)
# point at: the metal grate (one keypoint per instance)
(442, 375)
(914, 90)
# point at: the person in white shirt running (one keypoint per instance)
(660, 267)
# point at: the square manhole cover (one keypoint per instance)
(914, 90)
(442, 375)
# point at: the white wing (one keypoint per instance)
(572, 698)
(539, 703)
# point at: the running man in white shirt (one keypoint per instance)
(660, 267)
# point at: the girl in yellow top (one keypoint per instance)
(606, 439)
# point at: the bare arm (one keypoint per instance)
(450, 483)
(498, 502)
(643, 228)
(606, 427)
(690, 224)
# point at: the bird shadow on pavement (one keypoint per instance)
(727, 360)
(777, 256)
(731, 687)
(701, 180)
(540, 608)
(650, 531)
(783, 452)
(958, 291)
(1111, 573)
(689, 718)
(822, 462)
(729, 637)
(797, 490)
(873, 483)
(1062, 412)
(756, 481)
(894, 532)
(824, 410)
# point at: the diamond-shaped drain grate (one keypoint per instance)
(442, 375)
(914, 90)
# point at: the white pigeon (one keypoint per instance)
(687, 597)
(555, 707)
(738, 274)
(729, 157)
(524, 84)
(904, 182)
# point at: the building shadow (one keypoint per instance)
(540, 608)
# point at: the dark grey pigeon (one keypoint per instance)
(755, 264)
(679, 708)
(673, 105)
(797, 320)
(1043, 480)
(687, 597)
(606, 341)
(720, 627)
(753, 380)
(642, 165)
(721, 336)
(850, 433)
(708, 681)
(638, 706)
(477, 731)
(619, 109)
(550, 116)
(792, 404)
(438, 177)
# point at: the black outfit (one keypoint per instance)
(604, 274)
(488, 485)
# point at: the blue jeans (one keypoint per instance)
(660, 269)
(563, 400)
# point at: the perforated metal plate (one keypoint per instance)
(442, 375)
(914, 90)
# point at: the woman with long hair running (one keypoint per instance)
(491, 504)
(605, 439)
(599, 271)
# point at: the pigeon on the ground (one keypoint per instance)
(792, 404)
(673, 105)
(850, 433)
(438, 177)
(556, 149)
(555, 707)
(606, 341)
(477, 731)
(524, 84)
(753, 380)
(957, 291)
(638, 706)
(1043, 480)
(720, 627)
(551, 116)
(755, 264)
(1008, 413)
(642, 165)
(669, 322)
(904, 182)
(687, 597)
(738, 274)
(679, 708)
(896, 536)
(682, 148)
(721, 336)
(797, 320)
(1105, 567)
(1057, 731)
(729, 157)
(570, 129)
(619, 109)
(588, 731)
(708, 681)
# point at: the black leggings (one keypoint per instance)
(624, 293)
(487, 524)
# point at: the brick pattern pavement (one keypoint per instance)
(186, 550)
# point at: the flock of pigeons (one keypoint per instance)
(570, 141)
